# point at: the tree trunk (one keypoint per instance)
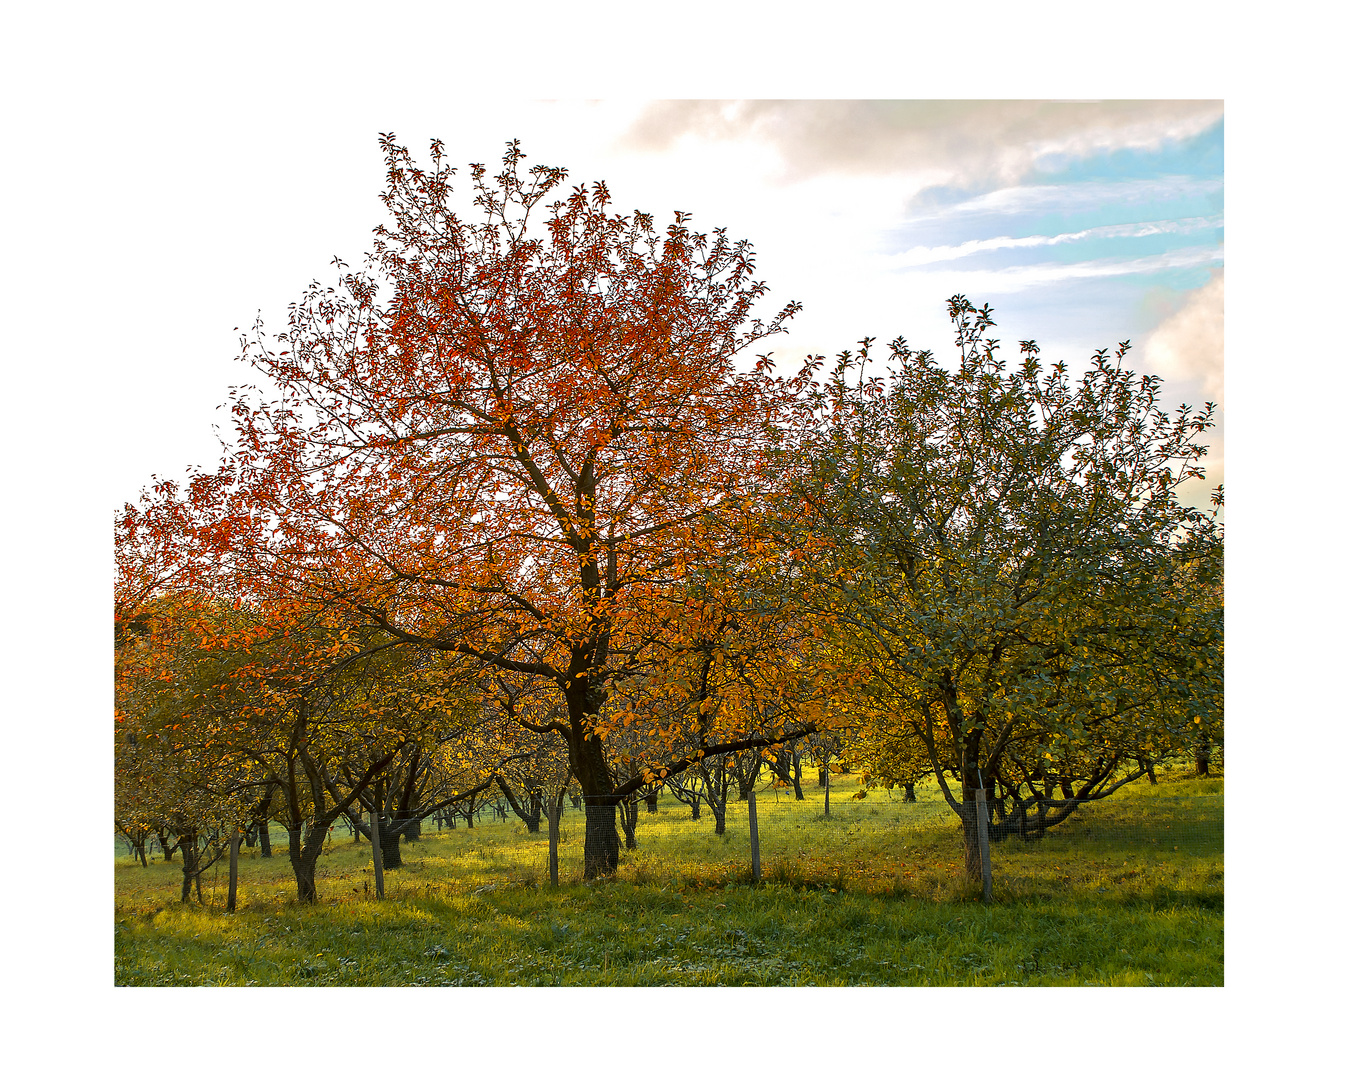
(651, 802)
(628, 812)
(391, 855)
(187, 844)
(909, 794)
(970, 836)
(302, 864)
(262, 811)
(1202, 758)
(587, 756)
(531, 812)
(602, 840)
(797, 776)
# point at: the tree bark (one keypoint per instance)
(529, 814)
(391, 854)
(187, 844)
(602, 839)
(628, 812)
(234, 871)
(587, 758)
(262, 812)
(970, 836)
(303, 864)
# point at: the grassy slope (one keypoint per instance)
(870, 895)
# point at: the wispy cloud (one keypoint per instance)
(963, 141)
(1032, 198)
(921, 256)
(1012, 279)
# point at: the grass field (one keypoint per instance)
(1131, 893)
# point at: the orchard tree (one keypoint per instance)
(174, 774)
(1005, 549)
(513, 439)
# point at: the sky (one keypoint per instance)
(1083, 224)
(171, 171)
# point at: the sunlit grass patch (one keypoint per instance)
(872, 894)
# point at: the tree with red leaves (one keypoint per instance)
(522, 441)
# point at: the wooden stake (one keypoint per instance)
(554, 810)
(379, 856)
(234, 871)
(754, 839)
(982, 824)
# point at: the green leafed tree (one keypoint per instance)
(1004, 549)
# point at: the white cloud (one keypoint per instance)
(969, 141)
(1018, 278)
(1089, 195)
(920, 256)
(1188, 346)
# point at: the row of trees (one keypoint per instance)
(511, 511)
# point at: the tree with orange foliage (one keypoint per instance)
(517, 440)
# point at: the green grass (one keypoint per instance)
(1132, 894)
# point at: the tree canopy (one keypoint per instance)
(1005, 551)
(519, 491)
